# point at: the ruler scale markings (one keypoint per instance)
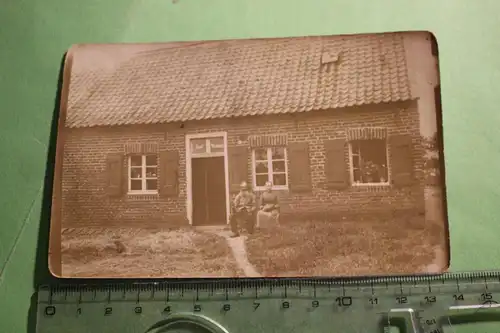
(50, 296)
(427, 301)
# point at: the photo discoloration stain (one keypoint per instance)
(310, 156)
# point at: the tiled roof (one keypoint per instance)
(239, 78)
(82, 85)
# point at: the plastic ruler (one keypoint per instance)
(418, 304)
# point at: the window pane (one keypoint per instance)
(279, 166)
(151, 185)
(355, 162)
(261, 180)
(198, 146)
(135, 160)
(261, 154)
(136, 185)
(151, 172)
(151, 160)
(278, 153)
(216, 145)
(355, 147)
(279, 179)
(135, 172)
(374, 151)
(261, 167)
(383, 175)
(357, 175)
(373, 161)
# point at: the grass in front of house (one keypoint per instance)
(345, 248)
(169, 253)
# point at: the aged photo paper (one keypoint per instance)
(286, 157)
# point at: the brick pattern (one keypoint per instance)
(141, 148)
(268, 140)
(84, 179)
(367, 133)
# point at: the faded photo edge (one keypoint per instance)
(55, 256)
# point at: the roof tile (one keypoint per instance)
(244, 77)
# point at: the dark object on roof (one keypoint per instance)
(226, 79)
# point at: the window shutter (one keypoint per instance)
(238, 167)
(401, 160)
(299, 167)
(169, 173)
(337, 176)
(115, 174)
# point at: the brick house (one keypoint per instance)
(167, 137)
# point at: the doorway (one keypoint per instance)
(207, 179)
(208, 191)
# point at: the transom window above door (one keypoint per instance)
(270, 164)
(143, 174)
(207, 146)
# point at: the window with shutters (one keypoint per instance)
(270, 164)
(143, 174)
(369, 162)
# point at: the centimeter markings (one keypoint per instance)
(422, 300)
(164, 290)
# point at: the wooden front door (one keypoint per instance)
(208, 191)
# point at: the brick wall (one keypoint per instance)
(85, 200)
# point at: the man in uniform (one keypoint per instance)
(244, 210)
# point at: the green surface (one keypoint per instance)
(35, 34)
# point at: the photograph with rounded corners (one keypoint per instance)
(317, 156)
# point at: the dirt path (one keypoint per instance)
(238, 248)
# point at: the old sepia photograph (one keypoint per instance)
(316, 156)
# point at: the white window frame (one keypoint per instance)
(351, 166)
(208, 152)
(270, 171)
(143, 175)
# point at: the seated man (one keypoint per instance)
(244, 210)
